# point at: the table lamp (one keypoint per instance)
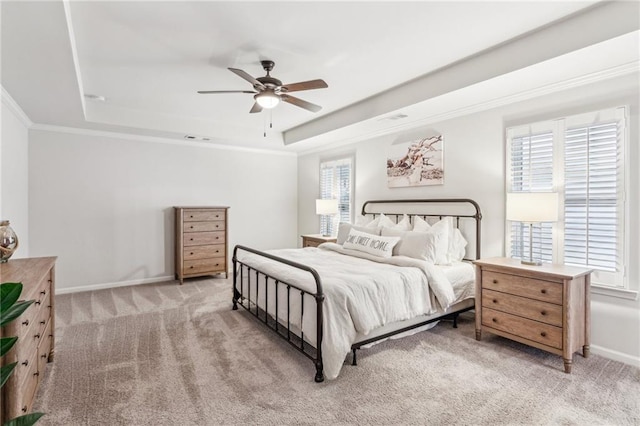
(327, 207)
(530, 208)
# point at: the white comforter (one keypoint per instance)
(362, 293)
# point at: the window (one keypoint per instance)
(582, 158)
(336, 181)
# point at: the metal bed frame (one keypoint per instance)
(291, 290)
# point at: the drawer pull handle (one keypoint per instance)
(191, 227)
(543, 291)
(24, 409)
(25, 363)
(495, 300)
(543, 334)
(543, 312)
(190, 239)
(36, 373)
(191, 216)
(36, 336)
(494, 319)
(38, 302)
(43, 292)
(43, 356)
(25, 322)
(191, 253)
(495, 281)
(190, 267)
(43, 322)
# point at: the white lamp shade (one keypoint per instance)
(532, 207)
(267, 99)
(327, 207)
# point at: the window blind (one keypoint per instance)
(336, 182)
(592, 166)
(531, 168)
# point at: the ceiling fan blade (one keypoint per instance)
(305, 85)
(208, 92)
(256, 108)
(246, 76)
(299, 102)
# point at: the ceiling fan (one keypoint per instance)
(269, 91)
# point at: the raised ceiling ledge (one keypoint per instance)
(577, 32)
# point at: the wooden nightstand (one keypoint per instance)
(547, 307)
(314, 240)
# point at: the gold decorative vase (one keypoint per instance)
(8, 241)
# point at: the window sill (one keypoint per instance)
(620, 293)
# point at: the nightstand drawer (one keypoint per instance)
(204, 252)
(533, 309)
(203, 215)
(533, 330)
(203, 238)
(545, 291)
(204, 265)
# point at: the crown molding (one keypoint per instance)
(10, 103)
(155, 139)
(595, 77)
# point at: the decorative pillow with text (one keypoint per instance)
(371, 244)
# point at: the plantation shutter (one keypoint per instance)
(531, 170)
(593, 193)
(336, 182)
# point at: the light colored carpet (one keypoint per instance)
(164, 354)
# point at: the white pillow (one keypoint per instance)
(344, 228)
(457, 246)
(441, 230)
(419, 245)
(372, 244)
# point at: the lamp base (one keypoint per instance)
(531, 262)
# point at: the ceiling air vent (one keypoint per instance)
(196, 138)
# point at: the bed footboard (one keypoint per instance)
(281, 320)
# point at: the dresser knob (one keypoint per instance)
(191, 227)
(495, 281)
(217, 264)
(191, 216)
(43, 322)
(190, 239)
(25, 362)
(543, 312)
(43, 356)
(43, 292)
(495, 300)
(24, 409)
(38, 302)
(36, 373)
(25, 322)
(494, 320)
(543, 291)
(543, 334)
(36, 336)
(191, 253)
(190, 267)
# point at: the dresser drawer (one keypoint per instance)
(545, 291)
(533, 309)
(203, 238)
(546, 334)
(214, 225)
(28, 389)
(204, 265)
(204, 252)
(44, 349)
(203, 215)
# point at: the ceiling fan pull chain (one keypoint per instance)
(264, 126)
(271, 119)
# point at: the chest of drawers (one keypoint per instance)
(201, 241)
(545, 306)
(35, 330)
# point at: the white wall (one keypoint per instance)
(104, 205)
(474, 155)
(14, 173)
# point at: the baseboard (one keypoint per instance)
(616, 356)
(113, 285)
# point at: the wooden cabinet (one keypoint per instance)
(35, 330)
(201, 241)
(545, 306)
(315, 240)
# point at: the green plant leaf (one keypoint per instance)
(26, 420)
(5, 372)
(6, 343)
(9, 294)
(13, 312)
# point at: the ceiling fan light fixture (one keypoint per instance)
(267, 99)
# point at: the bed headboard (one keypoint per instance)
(465, 212)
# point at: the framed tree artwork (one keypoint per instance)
(416, 163)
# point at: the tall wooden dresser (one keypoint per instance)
(35, 330)
(201, 241)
